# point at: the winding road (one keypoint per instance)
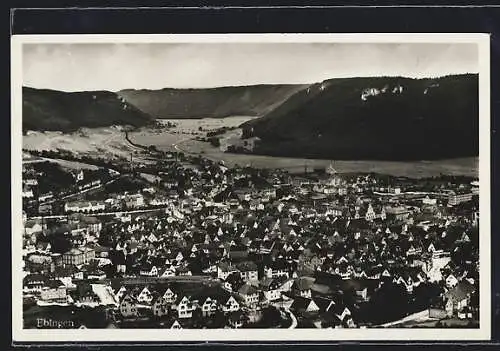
(285, 309)
(293, 318)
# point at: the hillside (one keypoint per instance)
(253, 100)
(61, 111)
(374, 118)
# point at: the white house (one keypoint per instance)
(185, 308)
(230, 305)
(145, 296)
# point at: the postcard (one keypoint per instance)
(251, 187)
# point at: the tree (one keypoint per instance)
(214, 141)
(60, 243)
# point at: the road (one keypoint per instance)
(286, 309)
(415, 317)
(292, 316)
(100, 214)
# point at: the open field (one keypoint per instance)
(181, 138)
(108, 141)
(111, 142)
(417, 169)
(206, 123)
(184, 131)
(71, 164)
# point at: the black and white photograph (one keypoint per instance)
(251, 187)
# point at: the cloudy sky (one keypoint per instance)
(79, 67)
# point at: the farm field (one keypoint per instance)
(181, 138)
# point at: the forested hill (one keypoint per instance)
(374, 118)
(62, 111)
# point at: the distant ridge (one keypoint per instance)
(169, 103)
(384, 118)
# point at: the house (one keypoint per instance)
(302, 286)
(209, 307)
(79, 176)
(303, 304)
(176, 325)
(328, 312)
(42, 261)
(145, 296)
(276, 269)
(185, 308)
(88, 254)
(85, 294)
(458, 298)
(409, 280)
(249, 294)
(30, 181)
(248, 271)
(93, 224)
(343, 313)
(45, 197)
(451, 281)
(120, 293)
(183, 271)
(96, 274)
(128, 307)
(149, 270)
(134, 201)
(168, 271)
(45, 209)
(397, 213)
(84, 206)
(160, 305)
(230, 304)
(65, 275)
(32, 227)
(43, 247)
(270, 288)
(335, 211)
(224, 269)
(170, 296)
(428, 201)
(74, 257)
(233, 282)
(34, 283)
(456, 198)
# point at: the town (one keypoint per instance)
(173, 240)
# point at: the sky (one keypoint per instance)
(104, 66)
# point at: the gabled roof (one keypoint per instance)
(324, 304)
(300, 303)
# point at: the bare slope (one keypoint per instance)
(253, 100)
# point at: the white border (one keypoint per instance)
(164, 335)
